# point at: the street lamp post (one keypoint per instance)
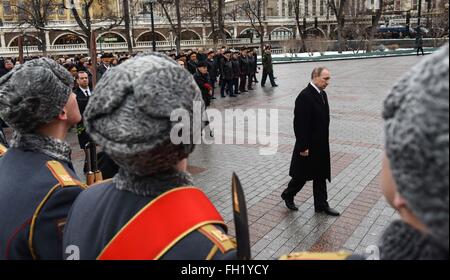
(150, 3)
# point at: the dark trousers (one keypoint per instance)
(236, 86)
(319, 190)
(420, 49)
(243, 82)
(213, 84)
(250, 80)
(228, 84)
(264, 77)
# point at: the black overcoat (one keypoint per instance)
(311, 126)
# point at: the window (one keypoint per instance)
(322, 10)
(414, 5)
(314, 7)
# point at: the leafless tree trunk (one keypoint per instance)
(35, 13)
(301, 30)
(373, 28)
(85, 21)
(174, 26)
(253, 11)
(126, 16)
(221, 20)
(212, 13)
(340, 17)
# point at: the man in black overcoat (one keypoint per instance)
(83, 92)
(311, 157)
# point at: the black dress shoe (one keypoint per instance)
(289, 203)
(329, 211)
(275, 85)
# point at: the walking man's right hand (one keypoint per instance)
(305, 153)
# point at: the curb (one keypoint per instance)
(289, 60)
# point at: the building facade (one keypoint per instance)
(278, 19)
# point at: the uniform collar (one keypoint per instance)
(154, 185)
(49, 146)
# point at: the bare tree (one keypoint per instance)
(339, 13)
(127, 20)
(36, 13)
(253, 9)
(375, 19)
(207, 10)
(174, 26)
(301, 30)
(221, 19)
(85, 20)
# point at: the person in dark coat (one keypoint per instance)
(267, 67)
(192, 63)
(419, 43)
(227, 75)
(83, 92)
(203, 81)
(244, 65)
(38, 183)
(104, 65)
(6, 68)
(311, 157)
(252, 66)
(236, 73)
(213, 71)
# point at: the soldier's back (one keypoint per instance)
(102, 214)
(36, 193)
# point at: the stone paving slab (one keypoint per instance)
(356, 96)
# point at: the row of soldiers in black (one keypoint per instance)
(234, 71)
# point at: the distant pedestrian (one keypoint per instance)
(419, 43)
(203, 81)
(267, 67)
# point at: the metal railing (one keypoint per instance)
(139, 46)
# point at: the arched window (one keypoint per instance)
(27, 41)
(69, 39)
(189, 35)
(148, 37)
(111, 38)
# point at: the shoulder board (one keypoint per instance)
(304, 256)
(3, 150)
(220, 239)
(61, 174)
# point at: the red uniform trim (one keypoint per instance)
(161, 224)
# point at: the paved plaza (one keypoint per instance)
(356, 96)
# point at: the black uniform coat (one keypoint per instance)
(27, 188)
(226, 70)
(82, 99)
(311, 126)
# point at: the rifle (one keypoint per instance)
(93, 175)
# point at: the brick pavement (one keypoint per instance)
(356, 94)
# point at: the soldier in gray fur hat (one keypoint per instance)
(37, 182)
(415, 175)
(149, 210)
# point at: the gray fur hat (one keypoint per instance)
(129, 113)
(417, 141)
(33, 94)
